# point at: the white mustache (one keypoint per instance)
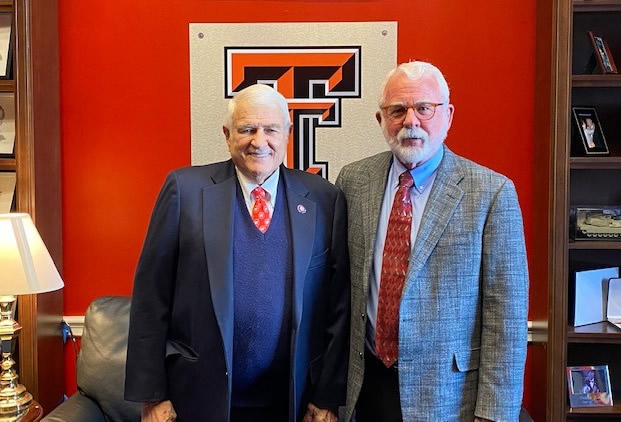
(414, 132)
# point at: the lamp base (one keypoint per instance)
(14, 399)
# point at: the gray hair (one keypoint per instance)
(417, 70)
(258, 94)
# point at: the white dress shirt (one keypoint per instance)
(270, 186)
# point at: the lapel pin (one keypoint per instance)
(301, 209)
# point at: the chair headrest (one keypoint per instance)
(101, 363)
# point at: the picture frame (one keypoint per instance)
(7, 191)
(602, 54)
(6, 45)
(589, 128)
(7, 124)
(589, 386)
(590, 222)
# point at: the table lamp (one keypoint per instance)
(26, 267)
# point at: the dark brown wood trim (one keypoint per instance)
(590, 412)
(594, 244)
(595, 163)
(597, 5)
(37, 157)
(590, 81)
(7, 164)
(559, 206)
(7, 85)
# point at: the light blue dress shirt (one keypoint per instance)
(424, 176)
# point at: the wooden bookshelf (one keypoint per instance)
(590, 81)
(595, 163)
(601, 332)
(576, 181)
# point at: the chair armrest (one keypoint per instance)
(78, 408)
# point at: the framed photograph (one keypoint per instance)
(7, 191)
(595, 222)
(6, 45)
(589, 386)
(602, 54)
(7, 124)
(590, 131)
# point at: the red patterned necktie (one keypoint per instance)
(260, 212)
(395, 261)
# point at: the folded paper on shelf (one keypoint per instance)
(592, 295)
(613, 314)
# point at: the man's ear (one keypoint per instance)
(226, 132)
(378, 117)
(451, 112)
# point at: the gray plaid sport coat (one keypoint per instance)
(462, 332)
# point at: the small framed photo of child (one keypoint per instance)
(590, 131)
(589, 386)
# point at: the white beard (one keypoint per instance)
(413, 154)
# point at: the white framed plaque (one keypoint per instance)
(7, 191)
(7, 123)
(6, 50)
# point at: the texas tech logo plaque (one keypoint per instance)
(314, 80)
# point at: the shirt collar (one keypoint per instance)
(270, 185)
(422, 173)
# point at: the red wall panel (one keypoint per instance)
(125, 106)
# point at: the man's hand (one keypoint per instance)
(315, 414)
(481, 420)
(161, 411)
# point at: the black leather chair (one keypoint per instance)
(101, 368)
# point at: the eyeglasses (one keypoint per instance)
(423, 111)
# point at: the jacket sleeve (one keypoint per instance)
(330, 390)
(504, 284)
(145, 376)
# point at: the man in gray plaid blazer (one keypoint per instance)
(460, 316)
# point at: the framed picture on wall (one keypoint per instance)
(589, 386)
(7, 191)
(6, 46)
(7, 124)
(602, 54)
(589, 131)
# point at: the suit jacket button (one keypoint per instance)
(226, 373)
(363, 316)
(360, 354)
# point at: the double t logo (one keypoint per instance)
(312, 79)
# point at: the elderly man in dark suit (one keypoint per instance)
(438, 265)
(240, 308)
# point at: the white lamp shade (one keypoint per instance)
(26, 266)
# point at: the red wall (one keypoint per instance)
(126, 118)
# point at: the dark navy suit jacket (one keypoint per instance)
(181, 321)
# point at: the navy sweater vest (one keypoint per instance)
(262, 285)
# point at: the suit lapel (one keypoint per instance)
(443, 200)
(302, 221)
(218, 214)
